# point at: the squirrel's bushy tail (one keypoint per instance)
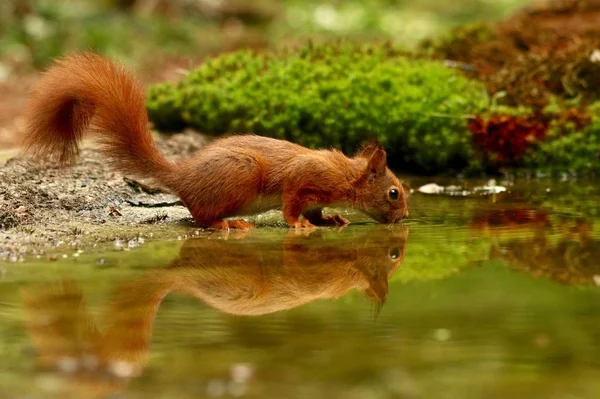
(87, 91)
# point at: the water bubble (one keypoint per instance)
(241, 372)
(442, 334)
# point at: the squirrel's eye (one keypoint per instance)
(394, 253)
(394, 194)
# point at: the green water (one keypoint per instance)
(481, 297)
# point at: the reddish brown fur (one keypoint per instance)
(84, 91)
(230, 177)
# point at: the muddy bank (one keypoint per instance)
(44, 207)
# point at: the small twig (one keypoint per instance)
(112, 211)
(159, 217)
(141, 187)
(155, 204)
(460, 65)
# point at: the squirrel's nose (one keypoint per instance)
(405, 214)
(399, 217)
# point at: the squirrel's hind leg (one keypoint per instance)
(220, 184)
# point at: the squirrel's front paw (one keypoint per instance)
(333, 220)
(338, 219)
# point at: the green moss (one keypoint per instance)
(330, 96)
(569, 148)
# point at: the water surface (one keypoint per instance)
(477, 297)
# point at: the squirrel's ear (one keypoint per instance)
(367, 149)
(377, 164)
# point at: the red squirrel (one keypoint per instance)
(232, 176)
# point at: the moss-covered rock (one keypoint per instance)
(330, 96)
(571, 146)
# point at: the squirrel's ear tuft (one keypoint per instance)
(377, 164)
(368, 148)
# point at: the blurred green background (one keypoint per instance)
(32, 32)
(535, 57)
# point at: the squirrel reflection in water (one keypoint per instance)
(240, 277)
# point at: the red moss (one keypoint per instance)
(504, 139)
